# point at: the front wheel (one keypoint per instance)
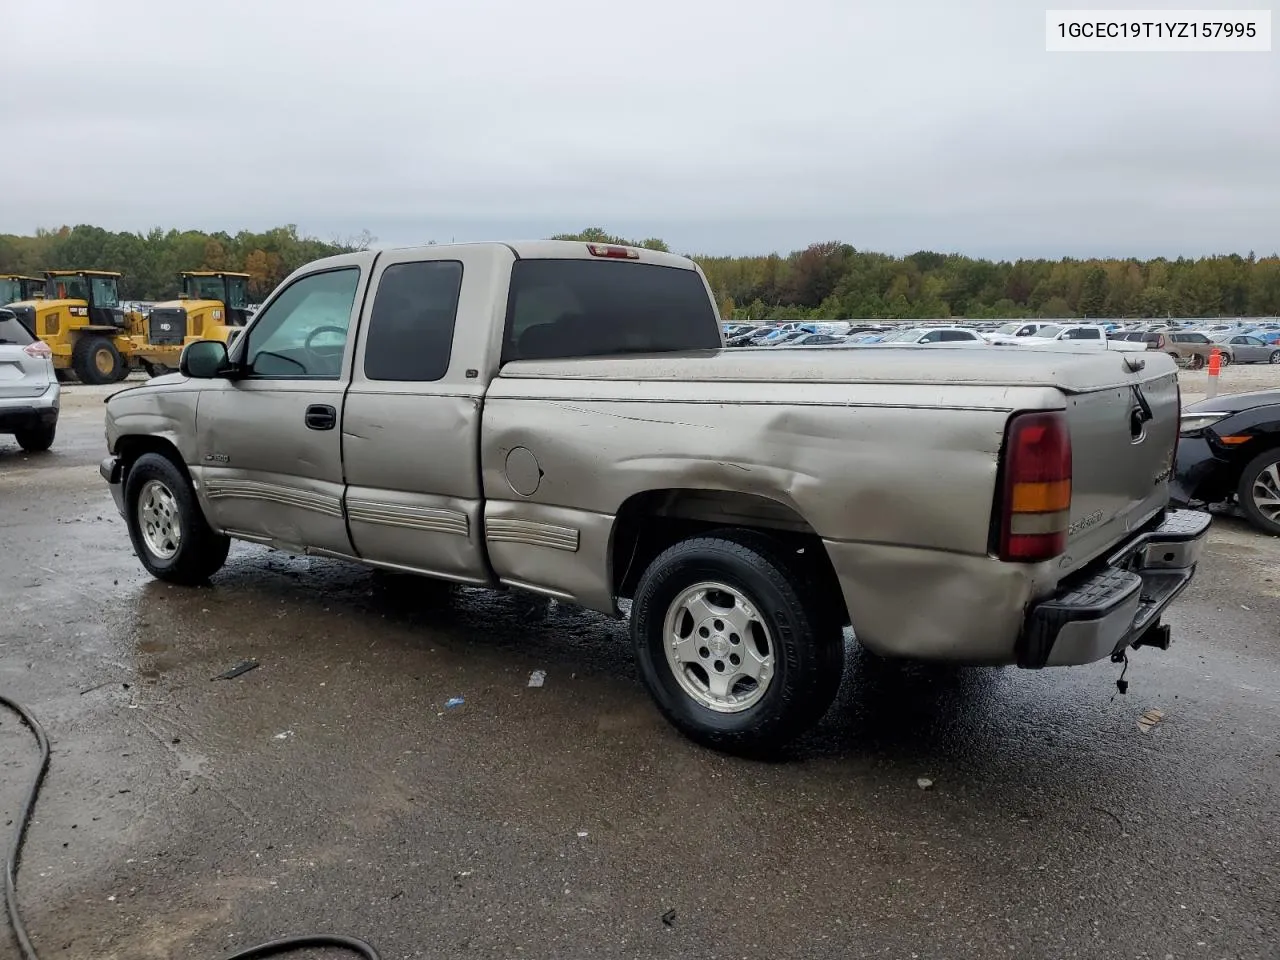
(733, 642)
(1275, 357)
(170, 535)
(1259, 491)
(96, 360)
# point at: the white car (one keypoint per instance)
(928, 335)
(1016, 328)
(29, 393)
(1073, 334)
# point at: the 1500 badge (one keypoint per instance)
(216, 458)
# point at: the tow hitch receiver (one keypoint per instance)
(1158, 635)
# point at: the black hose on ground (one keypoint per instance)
(14, 857)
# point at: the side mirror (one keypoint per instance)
(204, 360)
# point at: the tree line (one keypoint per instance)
(835, 281)
(151, 261)
(825, 281)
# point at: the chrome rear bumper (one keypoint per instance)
(1117, 603)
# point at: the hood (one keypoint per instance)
(1235, 403)
(189, 305)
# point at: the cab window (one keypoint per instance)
(411, 325)
(302, 334)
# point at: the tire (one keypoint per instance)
(96, 360)
(37, 439)
(168, 530)
(1198, 361)
(1225, 359)
(1260, 481)
(764, 592)
(1275, 357)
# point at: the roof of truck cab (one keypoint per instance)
(553, 250)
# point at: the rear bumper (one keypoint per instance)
(24, 413)
(1116, 604)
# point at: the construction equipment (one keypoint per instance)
(81, 320)
(15, 287)
(213, 306)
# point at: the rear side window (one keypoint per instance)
(951, 336)
(588, 308)
(411, 325)
(1084, 333)
(12, 331)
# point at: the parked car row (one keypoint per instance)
(1189, 344)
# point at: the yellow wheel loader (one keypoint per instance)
(14, 288)
(81, 320)
(213, 306)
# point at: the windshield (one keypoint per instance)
(67, 287)
(203, 288)
(10, 291)
(1009, 328)
(104, 292)
(902, 336)
(1050, 330)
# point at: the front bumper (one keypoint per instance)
(112, 471)
(1118, 603)
(1201, 473)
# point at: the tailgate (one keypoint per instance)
(21, 375)
(1122, 446)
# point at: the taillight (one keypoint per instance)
(613, 251)
(1177, 432)
(1036, 510)
(40, 350)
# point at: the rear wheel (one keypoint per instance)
(37, 439)
(1197, 361)
(169, 533)
(735, 643)
(1259, 491)
(96, 360)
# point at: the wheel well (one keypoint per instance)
(130, 448)
(650, 522)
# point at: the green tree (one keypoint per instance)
(1093, 293)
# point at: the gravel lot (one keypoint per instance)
(331, 788)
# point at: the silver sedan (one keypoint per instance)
(1246, 349)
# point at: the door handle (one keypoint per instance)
(321, 416)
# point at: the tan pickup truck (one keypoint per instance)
(560, 417)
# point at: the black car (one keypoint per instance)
(1229, 451)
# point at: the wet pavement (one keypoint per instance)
(332, 789)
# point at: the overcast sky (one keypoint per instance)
(722, 126)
